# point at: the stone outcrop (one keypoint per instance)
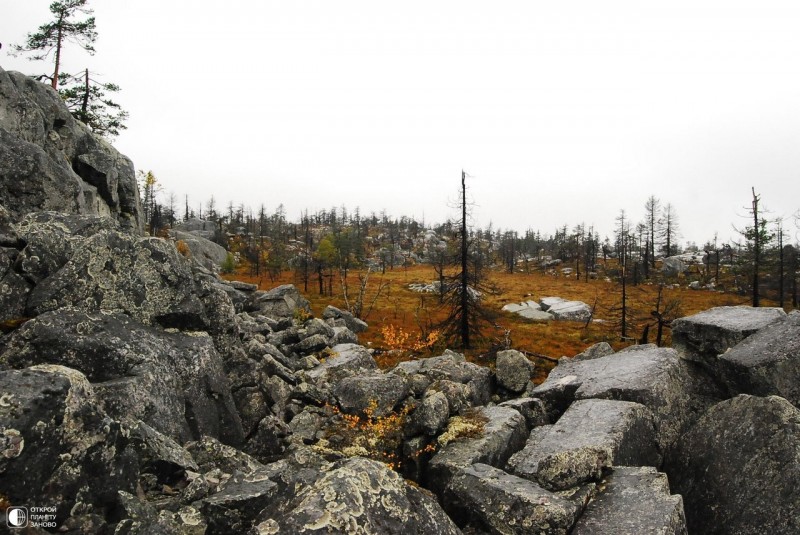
(766, 363)
(210, 255)
(50, 161)
(174, 382)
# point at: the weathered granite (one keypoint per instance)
(767, 362)
(738, 468)
(593, 435)
(634, 501)
(705, 335)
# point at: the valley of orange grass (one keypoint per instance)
(403, 308)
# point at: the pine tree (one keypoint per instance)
(88, 102)
(52, 36)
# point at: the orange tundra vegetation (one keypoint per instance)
(403, 322)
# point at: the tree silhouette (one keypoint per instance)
(463, 290)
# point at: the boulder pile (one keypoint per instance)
(140, 393)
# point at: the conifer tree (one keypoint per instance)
(52, 36)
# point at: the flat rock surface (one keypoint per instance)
(592, 435)
(656, 378)
(633, 501)
(504, 433)
(499, 502)
(703, 336)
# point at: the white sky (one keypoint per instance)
(562, 112)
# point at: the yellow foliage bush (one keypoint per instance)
(397, 338)
(375, 437)
(182, 248)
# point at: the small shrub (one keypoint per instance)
(183, 248)
(229, 264)
(301, 315)
(375, 437)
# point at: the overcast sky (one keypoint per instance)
(560, 112)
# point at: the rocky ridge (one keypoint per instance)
(142, 394)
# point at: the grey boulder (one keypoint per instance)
(738, 468)
(592, 436)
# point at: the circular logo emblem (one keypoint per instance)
(17, 517)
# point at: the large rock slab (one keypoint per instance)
(767, 362)
(174, 382)
(561, 309)
(738, 468)
(529, 310)
(705, 335)
(144, 277)
(346, 361)
(634, 501)
(504, 433)
(377, 394)
(281, 302)
(593, 435)
(359, 496)
(655, 377)
(500, 503)
(210, 255)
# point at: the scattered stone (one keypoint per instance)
(431, 415)
(354, 324)
(533, 409)
(513, 370)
